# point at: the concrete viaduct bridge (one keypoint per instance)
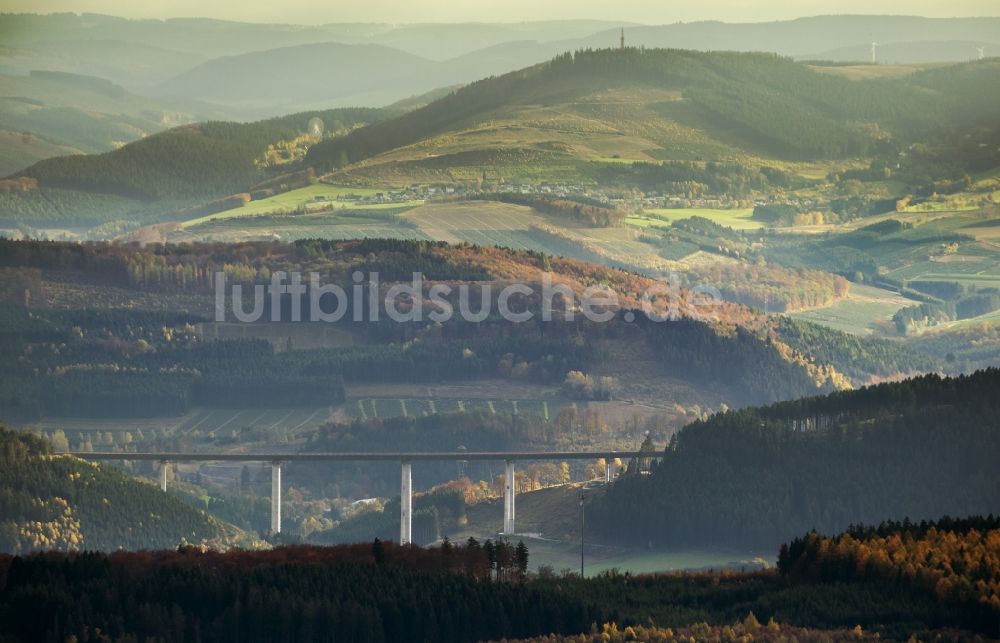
(406, 461)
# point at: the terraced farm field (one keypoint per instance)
(389, 407)
(863, 310)
(977, 271)
(270, 425)
(480, 222)
(489, 223)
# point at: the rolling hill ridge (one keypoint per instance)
(579, 118)
(330, 74)
(780, 108)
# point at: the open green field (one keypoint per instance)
(369, 223)
(988, 320)
(949, 205)
(737, 218)
(861, 313)
(980, 270)
(310, 197)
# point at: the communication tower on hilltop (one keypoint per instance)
(622, 41)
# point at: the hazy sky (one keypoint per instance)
(397, 11)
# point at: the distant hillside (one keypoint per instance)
(180, 43)
(197, 160)
(203, 38)
(143, 53)
(576, 119)
(806, 37)
(911, 52)
(351, 65)
(58, 113)
(915, 449)
(332, 74)
(198, 53)
(169, 171)
(61, 502)
(674, 104)
(132, 63)
(310, 74)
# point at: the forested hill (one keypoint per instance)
(917, 449)
(379, 591)
(735, 352)
(62, 502)
(686, 106)
(778, 106)
(200, 161)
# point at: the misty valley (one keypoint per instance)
(512, 329)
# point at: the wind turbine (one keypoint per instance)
(980, 52)
(874, 45)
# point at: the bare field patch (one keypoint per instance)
(443, 221)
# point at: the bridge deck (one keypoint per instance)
(354, 457)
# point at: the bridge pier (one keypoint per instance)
(509, 491)
(406, 488)
(609, 467)
(406, 505)
(275, 497)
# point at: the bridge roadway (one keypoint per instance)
(405, 460)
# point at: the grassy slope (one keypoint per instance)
(864, 311)
(286, 202)
(606, 106)
(552, 139)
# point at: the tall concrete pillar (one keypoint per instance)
(163, 475)
(609, 467)
(406, 505)
(276, 497)
(509, 491)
